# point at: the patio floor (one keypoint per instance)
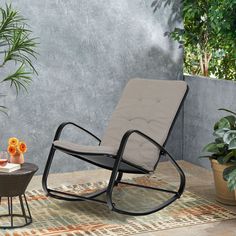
(199, 181)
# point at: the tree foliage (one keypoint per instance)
(17, 45)
(208, 37)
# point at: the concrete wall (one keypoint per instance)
(88, 51)
(200, 113)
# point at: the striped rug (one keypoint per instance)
(54, 217)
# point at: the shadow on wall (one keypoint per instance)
(176, 10)
(88, 51)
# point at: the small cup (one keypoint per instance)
(3, 158)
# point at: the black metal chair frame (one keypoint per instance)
(119, 167)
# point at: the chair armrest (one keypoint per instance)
(64, 124)
(122, 146)
(126, 136)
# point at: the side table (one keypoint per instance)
(14, 184)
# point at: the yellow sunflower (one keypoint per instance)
(13, 141)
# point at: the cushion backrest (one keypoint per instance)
(149, 106)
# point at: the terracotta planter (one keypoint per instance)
(17, 159)
(223, 195)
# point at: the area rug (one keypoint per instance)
(54, 217)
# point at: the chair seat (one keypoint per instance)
(87, 149)
(102, 156)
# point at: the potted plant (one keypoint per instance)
(222, 154)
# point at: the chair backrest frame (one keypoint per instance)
(173, 123)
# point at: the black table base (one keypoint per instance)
(24, 208)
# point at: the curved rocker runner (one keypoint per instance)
(133, 143)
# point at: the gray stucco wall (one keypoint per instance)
(88, 51)
(200, 113)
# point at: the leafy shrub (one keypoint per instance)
(208, 37)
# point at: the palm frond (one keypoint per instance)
(21, 49)
(20, 79)
(18, 46)
(3, 109)
(10, 19)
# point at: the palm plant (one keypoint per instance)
(17, 45)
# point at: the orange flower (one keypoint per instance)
(13, 141)
(22, 147)
(11, 150)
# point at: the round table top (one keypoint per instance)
(26, 168)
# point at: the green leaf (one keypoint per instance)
(229, 135)
(231, 179)
(219, 140)
(223, 109)
(21, 48)
(20, 79)
(232, 144)
(220, 145)
(220, 132)
(226, 158)
(220, 160)
(3, 109)
(211, 147)
(227, 171)
(231, 120)
(223, 123)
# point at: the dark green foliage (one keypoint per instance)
(230, 176)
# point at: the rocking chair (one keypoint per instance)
(134, 141)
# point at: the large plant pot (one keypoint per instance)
(223, 195)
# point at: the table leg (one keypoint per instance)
(27, 206)
(11, 211)
(8, 204)
(23, 208)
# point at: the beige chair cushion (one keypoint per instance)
(85, 149)
(149, 106)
